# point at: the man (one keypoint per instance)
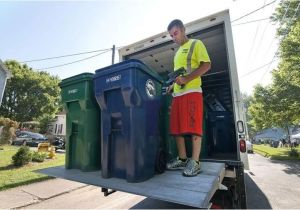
(187, 106)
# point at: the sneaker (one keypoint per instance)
(176, 164)
(192, 169)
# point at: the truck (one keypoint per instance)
(221, 184)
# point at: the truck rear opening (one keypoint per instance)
(220, 85)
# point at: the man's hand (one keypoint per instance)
(181, 80)
(170, 89)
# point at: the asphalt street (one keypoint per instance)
(272, 184)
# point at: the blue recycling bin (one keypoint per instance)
(218, 132)
(128, 94)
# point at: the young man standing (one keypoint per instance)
(187, 105)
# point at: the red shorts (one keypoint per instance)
(187, 114)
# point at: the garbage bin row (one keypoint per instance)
(117, 121)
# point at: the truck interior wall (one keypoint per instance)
(216, 84)
(220, 125)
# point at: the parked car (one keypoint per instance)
(29, 139)
(249, 146)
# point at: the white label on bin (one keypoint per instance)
(150, 88)
(72, 91)
(113, 79)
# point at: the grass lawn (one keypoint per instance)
(275, 153)
(11, 176)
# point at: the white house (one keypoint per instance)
(4, 75)
(58, 127)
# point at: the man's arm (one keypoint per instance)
(203, 68)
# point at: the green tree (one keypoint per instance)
(29, 94)
(259, 108)
(286, 79)
(279, 103)
(286, 14)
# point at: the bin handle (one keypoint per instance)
(131, 97)
(101, 100)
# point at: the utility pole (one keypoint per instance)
(113, 54)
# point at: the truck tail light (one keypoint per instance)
(242, 145)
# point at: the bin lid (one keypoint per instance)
(77, 78)
(131, 63)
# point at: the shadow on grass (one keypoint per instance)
(8, 167)
(283, 156)
(262, 153)
(5, 187)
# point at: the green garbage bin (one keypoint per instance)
(168, 141)
(169, 145)
(83, 145)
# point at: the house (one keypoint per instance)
(276, 134)
(58, 126)
(270, 134)
(4, 75)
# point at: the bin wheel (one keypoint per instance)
(160, 162)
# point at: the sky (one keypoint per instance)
(31, 30)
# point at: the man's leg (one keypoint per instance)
(196, 142)
(180, 142)
(193, 167)
(181, 161)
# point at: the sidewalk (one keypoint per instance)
(34, 193)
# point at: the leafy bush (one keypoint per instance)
(8, 130)
(22, 157)
(38, 157)
(293, 153)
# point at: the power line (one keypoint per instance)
(254, 39)
(65, 64)
(63, 56)
(81, 53)
(263, 34)
(106, 50)
(254, 70)
(69, 55)
(252, 21)
(281, 22)
(281, 39)
(254, 11)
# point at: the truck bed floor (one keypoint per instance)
(169, 186)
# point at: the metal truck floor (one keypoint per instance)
(169, 186)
